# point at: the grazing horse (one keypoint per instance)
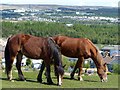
(82, 48)
(35, 48)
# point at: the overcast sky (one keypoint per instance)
(113, 3)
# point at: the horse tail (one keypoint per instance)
(56, 54)
(7, 56)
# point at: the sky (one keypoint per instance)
(113, 3)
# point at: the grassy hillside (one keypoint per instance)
(99, 34)
(89, 82)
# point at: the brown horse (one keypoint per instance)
(35, 48)
(82, 48)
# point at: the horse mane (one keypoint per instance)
(92, 44)
(97, 51)
(52, 41)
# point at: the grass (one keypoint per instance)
(89, 82)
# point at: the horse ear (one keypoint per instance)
(106, 68)
(105, 64)
(64, 66)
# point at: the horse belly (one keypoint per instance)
(69, 53)
(33, 52)
(70, 49)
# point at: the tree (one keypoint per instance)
(98, 33)
(28, 62)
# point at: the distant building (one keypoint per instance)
(2, 47)
(69, 25)
(73, 59)
(112, 49)
(19, 10)
(77, 13)
(115, 60)
(58, 10)
(112, 61)
(1, 51)
(107, 59)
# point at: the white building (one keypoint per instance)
(19, 10)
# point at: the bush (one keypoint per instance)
(109, 73)
(87, 65)
(67, 63)
(109, 33)
(116, 68)
(28, 62)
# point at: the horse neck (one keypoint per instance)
(57, 57)
(96, 56)
(98, 59)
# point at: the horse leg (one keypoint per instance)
(59, 77)
(39, 77)
(18, 66)
(56, 74)
(9, 68)
(73, 72)
(49, 80)
(80, 65)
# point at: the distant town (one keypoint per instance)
(57, 13)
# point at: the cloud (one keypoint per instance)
(101, 2)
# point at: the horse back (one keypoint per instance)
(75, 47)
(34, 47)
(30, 46)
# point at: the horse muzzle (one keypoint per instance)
(104, 79)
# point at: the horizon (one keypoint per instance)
(106, 3)
(61, 5)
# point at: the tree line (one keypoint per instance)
(97, 33)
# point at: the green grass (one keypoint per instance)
(89, 82)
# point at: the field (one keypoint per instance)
(31, 82)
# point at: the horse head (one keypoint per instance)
(102, 70)
(103, 75)
(56, 55)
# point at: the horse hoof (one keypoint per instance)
(80, 79)
(21, 79)
(59, 84)
(12, 80)
(9, 78)
(72, 78)
(50, 83)
(39, 80)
